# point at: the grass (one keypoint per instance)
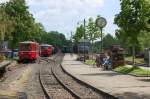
(132, 70)
(16, 58)
(137, 60)
(90, 62)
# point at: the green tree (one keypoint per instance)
(124, 41)
(25, 27)
(55, 38)
(17, 10)
(6, 24)
(144, 40)
(93, 32)
(109, 40)
(17, 23)
(79, 34)
(133, 19)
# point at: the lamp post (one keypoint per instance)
(101, 23)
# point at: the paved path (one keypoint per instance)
(121, 86)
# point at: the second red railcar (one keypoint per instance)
(46, 50)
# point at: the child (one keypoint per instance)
(106, 62)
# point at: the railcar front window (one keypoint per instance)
(44, 47)
(26, 47)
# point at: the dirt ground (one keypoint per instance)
(21, 80)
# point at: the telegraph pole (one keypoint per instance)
(84, 38)
(71, 43)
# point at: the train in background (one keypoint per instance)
(46, 50)
(81, 48)
(28, 51)
(84, 46)
(67, 49)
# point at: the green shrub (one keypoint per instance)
(132, 70)
(90, 62)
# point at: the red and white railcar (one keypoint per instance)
(46, 50)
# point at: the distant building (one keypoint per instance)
(146, 55)
(4, 45)
(84, 46)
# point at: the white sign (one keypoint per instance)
(5, 45)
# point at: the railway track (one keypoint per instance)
(50, 85)
(57, 84)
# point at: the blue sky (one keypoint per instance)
(63, 15)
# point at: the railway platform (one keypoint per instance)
(3, 65)
(118, 85)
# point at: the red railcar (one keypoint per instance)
(46, 50)
(28, 50)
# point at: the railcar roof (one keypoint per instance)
(26, 42)
(45, 45)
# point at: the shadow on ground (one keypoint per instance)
(145, 79)
(130, 95)
(19, 95)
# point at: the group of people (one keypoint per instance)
(104, 61)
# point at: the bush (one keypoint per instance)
(90, 62)
(132, 70)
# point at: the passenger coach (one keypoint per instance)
(46, 50)
(28, 50)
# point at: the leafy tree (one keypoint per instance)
(109, 40)
(79, 34)
(55, 38)
(17, 24)
(25, 27)
(133, 19)
(6, 24)
(17, 9)
(144, 40)
(93, 32)
(124, 40)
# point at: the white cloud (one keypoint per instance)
(57, 14)
(66, 3)
(3, 1)
(63, 15)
